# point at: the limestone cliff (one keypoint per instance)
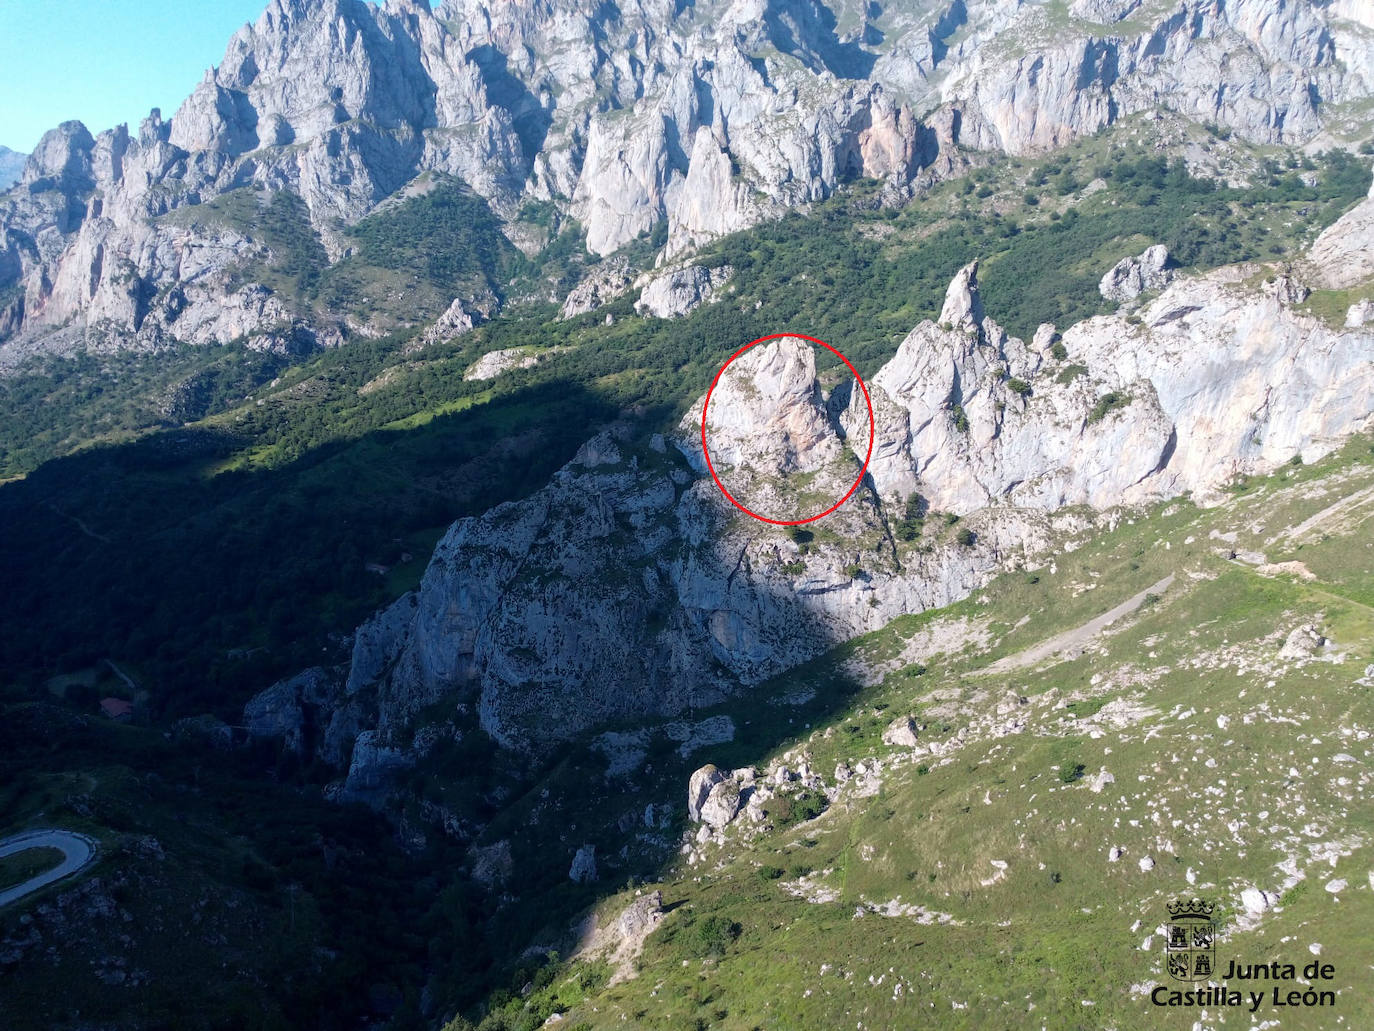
(628, 587)
(706, 116)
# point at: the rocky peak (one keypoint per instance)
(61, 161)
(1131, 277)
(767, 412)
(11, 166)
(963, 305)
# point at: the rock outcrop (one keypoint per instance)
(629, 587)
(290, 709)
(1131, 277)
(493, 363)
(11, 165)
(1342, 256)
(604, 283)
(583, 869)
(461, 317)
(1211, 379)
(680, 291)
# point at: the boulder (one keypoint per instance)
(1100, 780)
(583, 869)
(1303, 642)
(901, 733)
(699, 787)
(721, 805)
(1256, 901)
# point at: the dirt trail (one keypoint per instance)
(1345, 505)
(1078, 636)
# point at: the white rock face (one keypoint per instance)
(493, 363)
(700, 118)
(1131, 277)
(680, 291)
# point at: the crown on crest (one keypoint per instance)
(1191, 907)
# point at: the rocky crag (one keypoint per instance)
(630, 588)
(11, 165)
(707, 117)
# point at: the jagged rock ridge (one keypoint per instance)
(629, 588)
(707, 116)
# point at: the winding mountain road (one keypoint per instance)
(77, 850)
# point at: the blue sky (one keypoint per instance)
(106, 61)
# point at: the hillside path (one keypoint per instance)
(1079, 635)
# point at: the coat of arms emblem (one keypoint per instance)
(1190, 940)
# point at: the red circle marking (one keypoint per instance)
(872, 431)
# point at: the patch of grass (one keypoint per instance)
(1085, 708)
(1069, 373)
(20, 866)
(1108, 402)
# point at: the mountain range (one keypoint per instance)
(702, 120)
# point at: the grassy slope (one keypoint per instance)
(1061, 939)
